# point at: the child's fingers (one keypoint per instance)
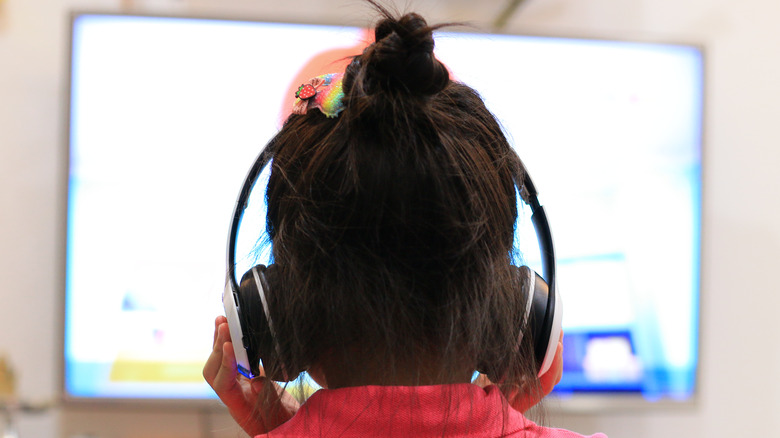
(217, 322)
(215, 360)
(225, 378)
(238, 394)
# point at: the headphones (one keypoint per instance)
(249, 318)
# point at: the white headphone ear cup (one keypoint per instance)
(273, 363)
(258, 285)
(236, 331)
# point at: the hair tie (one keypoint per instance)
(323, 92)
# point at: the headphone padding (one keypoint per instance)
(255, 289)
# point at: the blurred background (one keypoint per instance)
(738, 392)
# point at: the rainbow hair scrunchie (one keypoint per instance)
(323, 92)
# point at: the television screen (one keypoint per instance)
(168, 114)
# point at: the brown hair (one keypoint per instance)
(393, 224)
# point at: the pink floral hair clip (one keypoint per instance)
(323, 92)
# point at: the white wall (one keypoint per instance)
(739, 393)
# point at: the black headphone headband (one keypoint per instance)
(526, 188)
(546, 318)
(238, 212)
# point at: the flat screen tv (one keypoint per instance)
(167, 115)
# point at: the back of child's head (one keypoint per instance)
(393, 224)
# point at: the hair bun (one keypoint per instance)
(402, 58)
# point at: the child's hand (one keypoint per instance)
(243, 397)
(523, 401)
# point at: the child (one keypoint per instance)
(391, 211)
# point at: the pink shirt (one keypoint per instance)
(460, 410)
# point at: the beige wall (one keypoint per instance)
(739, 392)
